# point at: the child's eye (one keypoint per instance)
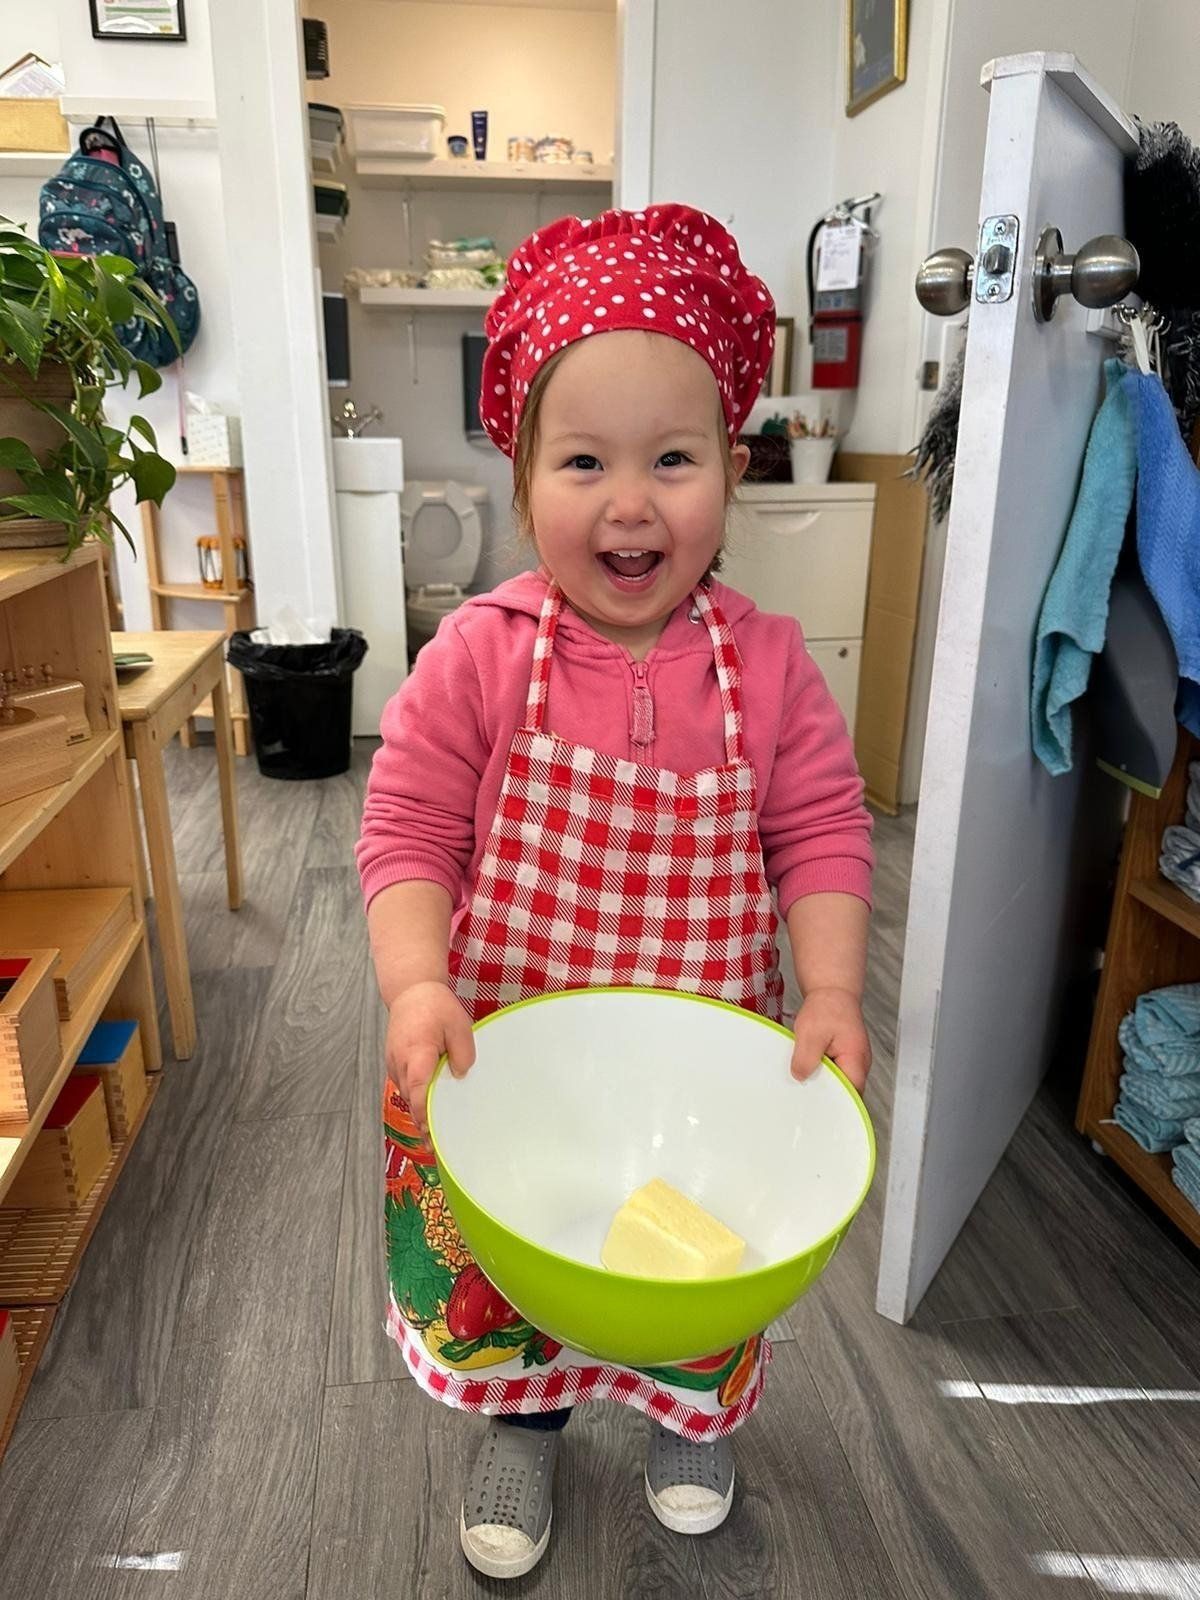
(674, 458)
(584, 463)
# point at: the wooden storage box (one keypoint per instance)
(33, 753)
(33, 125)
(10, 1367)
(84, 925)
(114, 1054)
(66, 1160)
(30, 1045)
(48, 696)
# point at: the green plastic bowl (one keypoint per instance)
(577, 1099)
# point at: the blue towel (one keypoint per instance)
(1173, 1058)
(1186, 1172)
(1188, 1186)
(1155, 1134)
(1179, 862)
(1169, 1019)
(1176, 1098)
(1074, 615)
(1168, 533)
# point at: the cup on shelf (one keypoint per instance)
(459, 146)
(812, 460)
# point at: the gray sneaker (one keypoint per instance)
(508, 1505)
(689, 1486)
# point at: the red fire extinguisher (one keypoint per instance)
(837, 264)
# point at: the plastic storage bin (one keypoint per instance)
(326, 135)
(412, 133)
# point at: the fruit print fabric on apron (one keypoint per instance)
(576, 834)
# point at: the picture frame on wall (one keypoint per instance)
(779, 374)
(876, 50)
(145, 21)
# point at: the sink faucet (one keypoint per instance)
(351, 422)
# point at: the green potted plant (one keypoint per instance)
(60, 352)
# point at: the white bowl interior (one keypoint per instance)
(576, 1101)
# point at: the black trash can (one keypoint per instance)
(300, 698)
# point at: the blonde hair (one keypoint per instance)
(526, 449)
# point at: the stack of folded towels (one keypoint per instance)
(1187, 1163)
(1180, 859)
(1160, 1087)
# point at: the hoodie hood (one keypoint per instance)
(525, 594)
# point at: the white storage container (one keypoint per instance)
(326, 128)
(412, 133)
(213, 441)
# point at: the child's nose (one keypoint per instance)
(630, 502)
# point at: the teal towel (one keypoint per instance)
(1186, 1173)
(1192, 1129)
(1074, 615)
(1168, 1023)
(1168, 532)
(1155, 1134)
(1176, 1098)
(1178, 1060)
(1187, 1157)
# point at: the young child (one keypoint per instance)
(698, 765)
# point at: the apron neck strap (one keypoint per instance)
(725, 658)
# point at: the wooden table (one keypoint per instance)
(155, 705)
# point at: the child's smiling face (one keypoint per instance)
(628, 488)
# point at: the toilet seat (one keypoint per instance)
(425, 565)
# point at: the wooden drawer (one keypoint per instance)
(69, 1155)
(114, 1054)
(806, 561)
(30, 1045)
(839, 661)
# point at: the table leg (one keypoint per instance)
(167, 903)
(141, 881)
(223, 733)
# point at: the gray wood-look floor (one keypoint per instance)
(219, 1414)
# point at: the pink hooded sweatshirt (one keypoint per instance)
(435, 782)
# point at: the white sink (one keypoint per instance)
(370, 465)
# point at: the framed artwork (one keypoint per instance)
(876, 50)
(779, 374)
(142, 20)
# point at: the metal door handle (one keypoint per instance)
(1100, 273)
(944, 282)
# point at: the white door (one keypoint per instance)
(1001, 855)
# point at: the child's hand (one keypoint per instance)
(425, 1022)
(830, 1023)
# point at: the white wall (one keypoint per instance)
(742, 130)
(1163, 84)
(536, 71)
(108, 70)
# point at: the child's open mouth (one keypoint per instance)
(631, 569)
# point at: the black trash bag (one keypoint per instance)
(300, 698)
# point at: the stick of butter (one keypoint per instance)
(660, 1233)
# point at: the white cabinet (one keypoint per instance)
(804, 550)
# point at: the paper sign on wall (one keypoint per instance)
(841, 247)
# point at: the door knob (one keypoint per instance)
(944, 282)
(1100, 273)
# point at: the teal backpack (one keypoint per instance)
(104, 200)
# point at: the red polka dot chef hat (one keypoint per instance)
(669, 269)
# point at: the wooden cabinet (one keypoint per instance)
(76, 834)
(804, 550)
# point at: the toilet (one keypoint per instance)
(442, 526)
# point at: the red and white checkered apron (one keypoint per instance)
(597, 872)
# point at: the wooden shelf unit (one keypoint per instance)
(77, 834)
(1153, 941)
(229, 510)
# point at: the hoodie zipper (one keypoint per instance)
(641, 735)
